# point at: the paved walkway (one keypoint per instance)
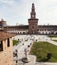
(25, 41)
(31, 60)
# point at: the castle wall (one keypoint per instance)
(6, 56)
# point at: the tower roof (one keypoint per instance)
(33, 13)
(2, 20)
(33, 8)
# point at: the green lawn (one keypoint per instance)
(53, 36)
(15, 42)
(44, 51)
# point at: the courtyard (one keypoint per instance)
(48, 46)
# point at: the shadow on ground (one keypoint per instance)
(49, 55)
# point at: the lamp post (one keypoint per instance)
(25, 50)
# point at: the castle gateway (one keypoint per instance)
(33, 22)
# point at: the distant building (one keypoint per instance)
(2, 24)
(32, 28)
(6, 49)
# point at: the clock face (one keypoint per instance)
(32, 15)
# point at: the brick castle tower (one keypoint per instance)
(33, 21)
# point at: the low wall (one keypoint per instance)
(45, 63)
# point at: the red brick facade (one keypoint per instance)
(33, 21)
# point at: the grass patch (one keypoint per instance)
(53, 36)
(55, 40)
(15, 42)
(44, 52)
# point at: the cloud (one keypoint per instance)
(19, 11)
(9, 2)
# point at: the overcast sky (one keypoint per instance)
(18, 11)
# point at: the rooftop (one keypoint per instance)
(4, 35)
